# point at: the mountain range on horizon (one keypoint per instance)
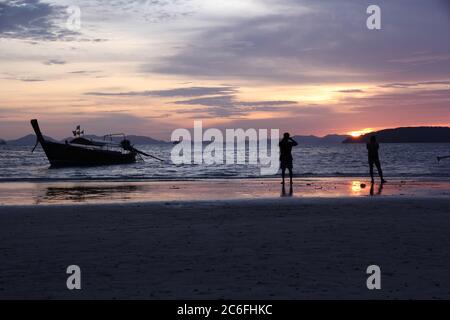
(312, 139)
(396, 135)
(30, 139)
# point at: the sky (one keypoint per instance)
(148, 67)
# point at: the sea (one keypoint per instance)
(19, 164)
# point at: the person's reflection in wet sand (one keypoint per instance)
(372, 189)
(283, 191)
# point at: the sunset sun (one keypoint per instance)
(358, 133)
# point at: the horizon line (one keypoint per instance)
(348, 134)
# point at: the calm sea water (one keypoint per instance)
(336, 160)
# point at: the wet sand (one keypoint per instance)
(271, 248)
(94, 192)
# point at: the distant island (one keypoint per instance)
(2, 142)
(30, 140)
(142, 140)
(406, 135)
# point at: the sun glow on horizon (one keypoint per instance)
(358, 133)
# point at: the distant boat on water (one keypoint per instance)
(81, 151)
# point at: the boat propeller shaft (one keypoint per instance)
(127, 146)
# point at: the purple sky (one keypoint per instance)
(148, 67)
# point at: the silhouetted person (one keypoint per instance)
(286, 145)
(374, 159)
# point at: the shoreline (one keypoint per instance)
(219, 178)
(91, 192)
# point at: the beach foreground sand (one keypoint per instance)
(287, 248)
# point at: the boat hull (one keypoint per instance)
(66, 155)
(70, 155)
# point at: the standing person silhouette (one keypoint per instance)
(286, 145)
(374, 159)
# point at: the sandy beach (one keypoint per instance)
(252, 248)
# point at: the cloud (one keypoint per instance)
(424, 99)
(214, 101)
(351, 91)
(33, 20)
(24, 79)
(177, 92)
(151, 11)
(413, 84)
(54, 61)
(398, 108)
(422, 58)
(31, 80)
(328, 44)
(268, 103)
(218, 100)
(230, 106)
(381, 110)
(83, 72)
